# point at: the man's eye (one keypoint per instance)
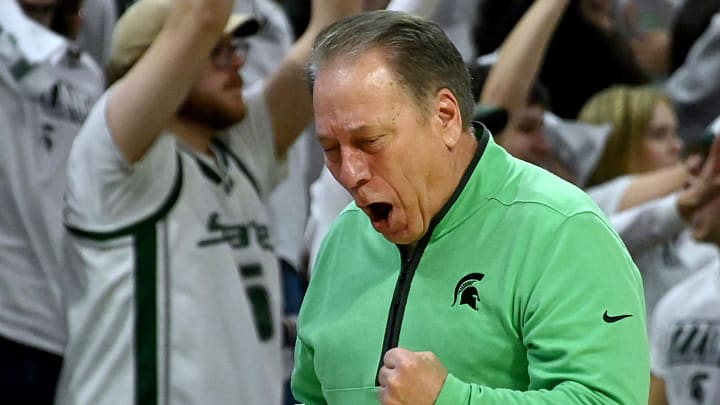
(331, 152)
(372, 141)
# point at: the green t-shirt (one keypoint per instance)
(519, 288)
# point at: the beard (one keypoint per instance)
(212, 110)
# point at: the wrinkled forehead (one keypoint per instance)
(368, 75)
(353, 98)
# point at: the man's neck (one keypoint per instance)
(459, 164)
(193, 134)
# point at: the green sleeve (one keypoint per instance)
(574, 355)
(304, 383)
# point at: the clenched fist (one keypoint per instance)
(410, 377)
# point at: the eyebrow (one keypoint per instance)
(322, 138)
(353, 132)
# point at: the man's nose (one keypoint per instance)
(354, 170)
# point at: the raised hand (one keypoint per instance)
(704, 182)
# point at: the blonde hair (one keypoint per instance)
(629, 110)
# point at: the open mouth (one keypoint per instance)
(379, 211)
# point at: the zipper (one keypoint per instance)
(410, 263)
(399, 300)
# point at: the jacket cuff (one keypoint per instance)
(453, 392)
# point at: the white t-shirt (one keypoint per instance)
(608, 195)
(179, 296)
(46, 91)
(685, 340)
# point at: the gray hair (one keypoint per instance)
(418, 50)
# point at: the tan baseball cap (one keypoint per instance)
(141, 23)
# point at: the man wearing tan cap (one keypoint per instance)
(178, 296)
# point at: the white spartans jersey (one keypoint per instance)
(46, 91)
(685, 340)
(179, 294)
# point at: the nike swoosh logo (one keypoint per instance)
(612, 319)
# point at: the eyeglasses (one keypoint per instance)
(222, 55)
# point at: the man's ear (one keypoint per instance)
(447, 117)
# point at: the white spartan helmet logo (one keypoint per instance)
(465, 289)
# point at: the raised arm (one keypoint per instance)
(656, 184)
(141, 105)
(703, 184)
(520, 56)
(287, 94)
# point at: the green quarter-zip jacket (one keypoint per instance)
(520, 287)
